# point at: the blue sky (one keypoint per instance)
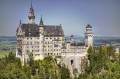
(74, 15)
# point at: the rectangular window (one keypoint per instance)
(27, 42)
(38, 42)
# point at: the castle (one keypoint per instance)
(48, 40)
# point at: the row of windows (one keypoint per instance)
(56, 38)
(30, 42)
(45, 50)
(53, 42)
(48, 54)
(89, 29)
(52, 50)
(52, 54)
(33, 50)
(74, 50)
(48, 42)
(33, 46)
(31, 38)
(47, 38)
(36, 54)
(36, 42)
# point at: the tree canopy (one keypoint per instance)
(11, 68)
(102, 64)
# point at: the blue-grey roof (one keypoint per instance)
(32, 30)
(88, 26)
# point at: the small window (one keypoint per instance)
(38, 42)
(55, 45)
(71, 62)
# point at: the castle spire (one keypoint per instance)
(31, 15)
(41, 21)
(31, 8)
(20, 23)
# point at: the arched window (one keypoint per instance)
(71, 62)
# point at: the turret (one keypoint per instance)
(41, 21)
(41, 26)
(20, 23)
(89, 36)
(31, 15)
(72, 39)
(41, 40)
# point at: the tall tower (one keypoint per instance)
(41, 40)
(31, 15)
(89, 36)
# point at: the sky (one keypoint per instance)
(73, 15)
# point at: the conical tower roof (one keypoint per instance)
(41, 21)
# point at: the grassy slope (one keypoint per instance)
(7, 45)
(3, 53)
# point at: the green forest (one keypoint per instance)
(11, 68)
(102, 64)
